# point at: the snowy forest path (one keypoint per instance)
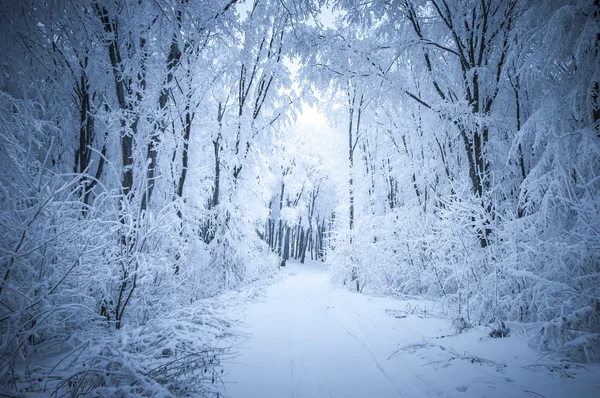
(312, 340)
(309, 339)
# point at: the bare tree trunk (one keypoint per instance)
(286, 245)
(321, 252)
(311, 246)
(596, 86)
(160, 128)
(123, 86)
(299, 241)
(351, 163)
(217, 149)
(189, 117)
(83, 154)
(281, 228)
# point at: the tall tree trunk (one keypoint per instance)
(217, 150)
(280, 229)
(160, 127)
(83, 154)
(596, 86)
(129, 123)
(305, 245)
(286, 244)
(122, 87)
(351, 165)
(187, 128)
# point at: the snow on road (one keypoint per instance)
(308, 339)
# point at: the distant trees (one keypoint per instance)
(302, 206)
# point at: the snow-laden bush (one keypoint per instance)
(535, 269)
(95, 298)
(164, 357)
(44, 244)
(358, 257)
(237, 255)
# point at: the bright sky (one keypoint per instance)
(312, 116)
(308, 115)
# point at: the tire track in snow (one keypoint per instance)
(295, 376)
(370, 353)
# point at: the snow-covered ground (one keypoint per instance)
(308, 339)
